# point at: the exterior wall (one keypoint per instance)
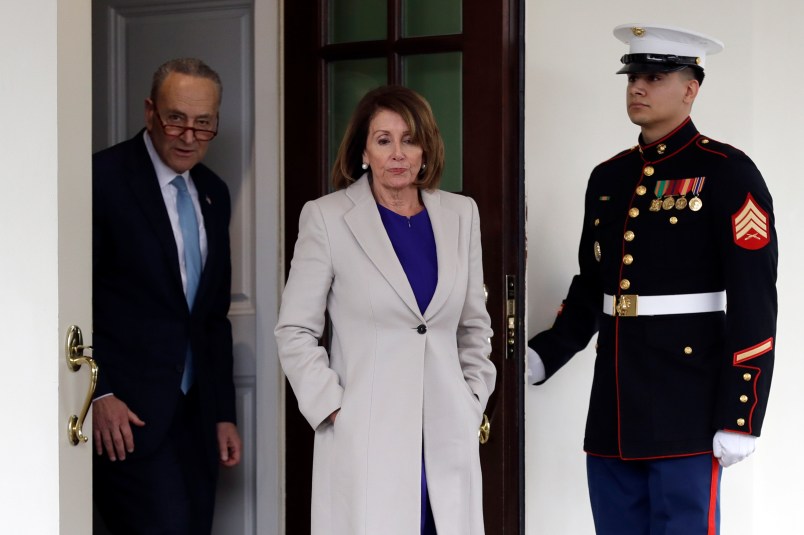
(575, 118)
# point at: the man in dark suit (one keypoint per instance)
(164, 412)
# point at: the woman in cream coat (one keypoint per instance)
(400, 388)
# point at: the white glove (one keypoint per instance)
(730, 447)
(535, 373)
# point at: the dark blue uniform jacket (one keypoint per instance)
(663, 384)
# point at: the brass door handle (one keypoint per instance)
(485, 430)
(74, 350)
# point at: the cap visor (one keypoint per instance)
(647, 68)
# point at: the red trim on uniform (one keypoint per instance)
(602, 456)
(661, 457)
(750, 224)
(712, 524)
(687, 144)
(622, 267)
(658, 458)
(753, 351)
(632, 149)
(722, 154)
(739, 360)
(617, 322)
(682, 148)
(626, 152)
(617, 377)
(748, 429)
(679, 127)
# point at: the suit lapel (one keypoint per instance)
(445, 229)
(210, 214)
(144, 185)
(366, 225)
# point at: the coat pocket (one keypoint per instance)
(686, 355)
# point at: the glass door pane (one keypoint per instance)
(431, 17)
(438, 78)
(357, 20)
(349, 80)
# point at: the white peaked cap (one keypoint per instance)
(656, 45)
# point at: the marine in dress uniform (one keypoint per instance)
(678, 259)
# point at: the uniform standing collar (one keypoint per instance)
(676, 140)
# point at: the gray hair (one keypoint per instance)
(188, 66)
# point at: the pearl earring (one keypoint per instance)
(364, 166)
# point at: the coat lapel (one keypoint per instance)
(445, 229)
(366, 225)
(144, 185)
(209, 212)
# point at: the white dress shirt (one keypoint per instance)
(169, 193)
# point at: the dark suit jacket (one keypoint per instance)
(141, 320)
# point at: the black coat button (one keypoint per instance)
(421, 329)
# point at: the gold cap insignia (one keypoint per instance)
(638, 32)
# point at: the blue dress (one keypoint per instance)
(414, 244)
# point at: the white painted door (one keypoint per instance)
(131, 38)
(45, 262)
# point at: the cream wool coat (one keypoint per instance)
(396, 387)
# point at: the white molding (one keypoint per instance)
(243, 203)
(236, 490)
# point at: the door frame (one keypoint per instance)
(250, 495)
(45, 214)
(493, 34)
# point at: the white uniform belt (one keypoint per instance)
(657, 305)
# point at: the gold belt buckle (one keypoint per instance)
(626, 305)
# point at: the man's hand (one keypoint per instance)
(111, 427)
(229, 444)
(731, 448)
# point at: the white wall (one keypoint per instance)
(269, 236)
(575, 118)
(30, 307)
(45, 262)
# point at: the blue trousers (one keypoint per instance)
(676, 496)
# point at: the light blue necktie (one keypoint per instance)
(192, 261)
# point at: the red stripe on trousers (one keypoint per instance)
(712, 529)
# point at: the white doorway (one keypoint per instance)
(239, 39)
